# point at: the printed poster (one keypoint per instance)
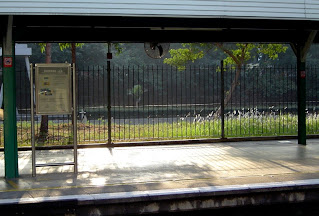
(53, 89)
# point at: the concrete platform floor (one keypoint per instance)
(129, 169)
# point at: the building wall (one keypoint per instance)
(275, 9)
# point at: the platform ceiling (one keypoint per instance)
(60, 28)
(282, 21)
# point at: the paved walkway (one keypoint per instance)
(124, 169)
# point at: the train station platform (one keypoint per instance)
(159, 179)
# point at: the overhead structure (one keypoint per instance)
(295, 22)
(164, 21)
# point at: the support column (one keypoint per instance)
(222, 99)
(109, 117)
(301, 50)
(9, 99)
(301, 88)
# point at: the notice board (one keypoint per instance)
(53, 89)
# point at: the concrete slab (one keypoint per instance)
(156, 164)
(162, 171)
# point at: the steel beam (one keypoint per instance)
(140, 35)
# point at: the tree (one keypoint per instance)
(44, 118)
(46, 47)
(137, 92)
(71, 46)
(235, 54)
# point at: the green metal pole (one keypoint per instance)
(222, 102)
(9, 102)
(109, 117)
(301, 83)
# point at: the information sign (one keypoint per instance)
(7, 62)
(53, 89)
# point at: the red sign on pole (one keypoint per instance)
(302, 74)
(7, 62)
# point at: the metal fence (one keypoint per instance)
(163, 103)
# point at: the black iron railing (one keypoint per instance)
(163, 103)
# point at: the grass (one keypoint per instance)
(236, 125)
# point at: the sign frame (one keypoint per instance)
(53, 89)
(72, 87)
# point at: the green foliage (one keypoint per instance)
(235, 54)
(199, 53)
(42, 47)
(62, 46)
(137, 90)
(244, 125)
(118, 47)
(180, 57)
(271, 50)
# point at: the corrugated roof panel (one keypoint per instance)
(281, 9)
(312, 9)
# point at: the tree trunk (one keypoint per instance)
(73, 50)
(137, 103)
(233, 85)
(44, 127)
(231, 90)
(239, 60)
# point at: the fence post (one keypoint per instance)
(222, 95)
(109, 123)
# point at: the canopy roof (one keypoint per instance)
(166, 20)
(270, 9)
